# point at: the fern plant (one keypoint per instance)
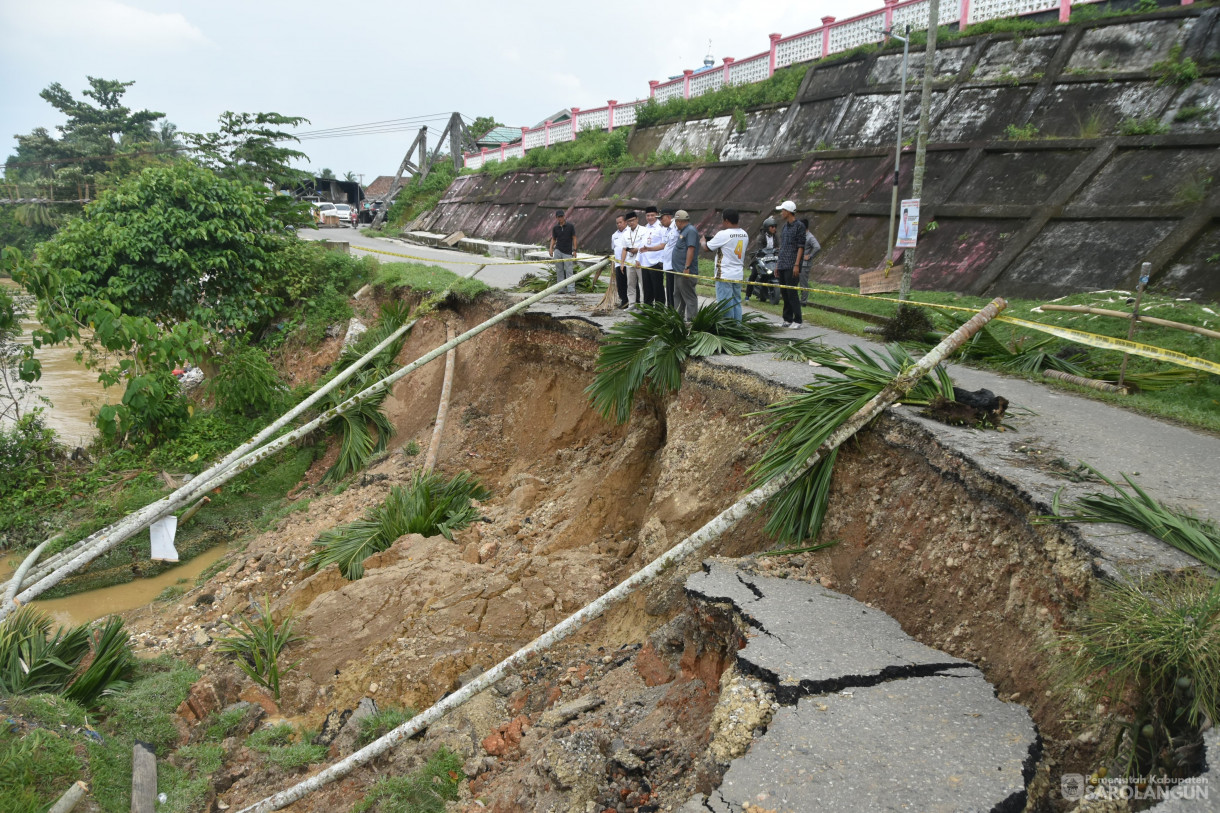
(801, 423)
(430, 505)
(652, 347)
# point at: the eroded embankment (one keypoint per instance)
(579, 504)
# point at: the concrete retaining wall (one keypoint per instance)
(1078, 207)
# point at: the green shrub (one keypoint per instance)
(246, 383)
(781, 87)
(1150, 125)
(1150, 649)
(325, 307)
(310, 267)
(420, 195)
(1190, 113)
(28, 453)
(1027, 132)
(1175, 69)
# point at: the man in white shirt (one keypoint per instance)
(620, 270)
(667, 263)
(631, 239)
(729, 245)
(651, 257)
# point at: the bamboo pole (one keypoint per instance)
(1091, 383)
(442, 411)
(1152, 320)
(693, 544)
(50, 565)
(115, 534)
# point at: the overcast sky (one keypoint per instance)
(344, 63)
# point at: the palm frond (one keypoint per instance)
(651, 348)
(798, 425)
(1186, 532)
(430, 505)
(804, 350)
(109, 670)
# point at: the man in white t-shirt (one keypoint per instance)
(631, 240)
(729, 245)
(620, 270)
(651, 257)
(667, 264)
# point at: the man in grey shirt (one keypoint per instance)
(812, 246)
(685, 260)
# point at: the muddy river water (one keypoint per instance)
(94, 604)
(75, 396)
(74, 392)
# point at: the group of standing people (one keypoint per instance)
(657, 261)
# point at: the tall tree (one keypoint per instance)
(247, 148)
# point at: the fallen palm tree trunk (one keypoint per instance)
(1091, 383)
(54, 562)
(115, 534)
(692, 545)
(442, 411)
(1152, 320)
(10, 593)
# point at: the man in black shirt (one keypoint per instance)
(788, 266)
(563, 247)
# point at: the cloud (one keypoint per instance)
(103, 23)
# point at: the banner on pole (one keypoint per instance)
(908, 224)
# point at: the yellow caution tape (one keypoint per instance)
(1069, 334)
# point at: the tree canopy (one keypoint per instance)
(174, 243)
(247, 147)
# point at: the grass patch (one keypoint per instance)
(1149, 125)
(383, 722)
(429, 279)
(425, 790)
(35, 769)
(286, 748)
(1148, 649)
(222, 723)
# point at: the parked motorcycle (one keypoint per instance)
(762, 269)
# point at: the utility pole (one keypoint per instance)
(921, 141)
(902, 97)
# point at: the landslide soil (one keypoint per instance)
(578, 504)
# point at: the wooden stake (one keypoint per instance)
(143, 779)
(71, 796)
(1145, 270)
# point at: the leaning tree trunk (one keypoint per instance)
(442, 411)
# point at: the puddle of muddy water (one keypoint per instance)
(94, 604)
(74, 392)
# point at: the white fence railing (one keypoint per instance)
(832, 37)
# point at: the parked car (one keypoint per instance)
(370, 212)
(344, 213)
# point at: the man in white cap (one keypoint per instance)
(685, 260)
(788, 266)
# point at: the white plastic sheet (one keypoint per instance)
(162, 534)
